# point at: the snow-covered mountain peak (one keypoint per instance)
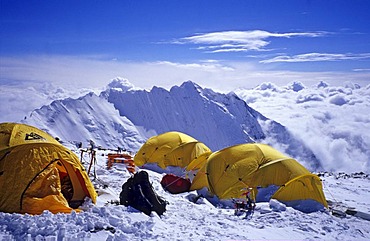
(87, 118)
(190, 85)
(127, 117)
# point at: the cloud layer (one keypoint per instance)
(240, 41)
(332, 121)
(93, 72)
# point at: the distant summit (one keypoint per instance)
(123, 116)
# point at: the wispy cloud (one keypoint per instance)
(71, 73)
(360, 70)
(314, 57)
(240, 41)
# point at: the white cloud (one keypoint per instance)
(332, 121)
(68, 74)
(240, 41)
(313, 57)
(312, 114)
(17, 101)
(361, 70)
(95, 73)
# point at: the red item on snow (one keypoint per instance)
(175, 184)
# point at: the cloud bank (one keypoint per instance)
(240, 41)
(48, 77)
(333, 121)
(93, 72)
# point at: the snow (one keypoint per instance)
(123, 117)
(185, 220)
(324, 127)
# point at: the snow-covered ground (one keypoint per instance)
(332, 122)
(185, 220)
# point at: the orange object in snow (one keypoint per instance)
(121, 158)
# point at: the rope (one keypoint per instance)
(330, 192)
(106, 185)
(253, 195)
(172, 182)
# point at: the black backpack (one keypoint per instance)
(138, 193)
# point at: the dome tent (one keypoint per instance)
(37, 173)
(231, 170)
(170, 149)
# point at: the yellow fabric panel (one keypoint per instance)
(276, 173)
(45, 194)
(74, 166)
(53, 203)
(304, 187)
(269, 153)
(23, 163)
(182, 155)
(156, 147)
(5, 134)
(198, 166)
(20, 166)
(227, 167)
(249, 165)
(200, 180)
(198, 162)
(13, 134)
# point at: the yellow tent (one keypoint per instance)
(303, 187)
(170, 149)
(231, 170)
(182, 155)
(37, 173)
(198, 165)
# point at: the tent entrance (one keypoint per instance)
(59, 185)
(72, 184)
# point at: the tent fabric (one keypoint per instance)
(198, 167)
(169, 149)
(156, 147)
(32, 164)
(182, 155)
(302, 188)
(276, 172)
(231, 170)
(12, 134)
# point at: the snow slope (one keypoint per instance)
(185, 220)
(124, 116)
(87, 118)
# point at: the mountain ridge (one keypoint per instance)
(126, 117)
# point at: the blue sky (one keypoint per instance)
(226, 44)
